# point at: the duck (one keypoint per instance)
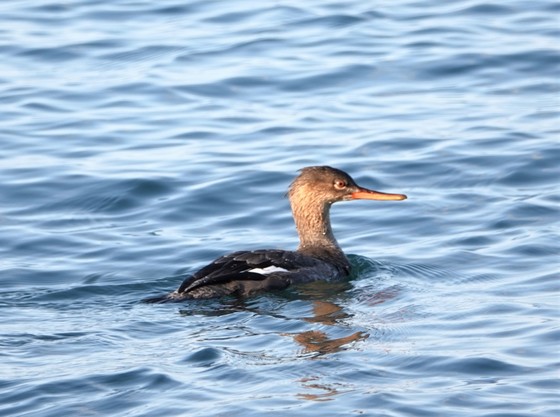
(318, 257)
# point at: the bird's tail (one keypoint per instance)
(166, 298)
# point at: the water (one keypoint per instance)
(142, 139)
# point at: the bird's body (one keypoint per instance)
(318, 257)
(248, 272)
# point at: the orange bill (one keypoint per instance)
(365, 194)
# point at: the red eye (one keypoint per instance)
(340, 184)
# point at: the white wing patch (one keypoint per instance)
(267, 270)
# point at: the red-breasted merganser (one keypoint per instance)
(318, 257)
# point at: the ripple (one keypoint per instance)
(204, 357)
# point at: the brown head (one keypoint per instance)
(311, 195)
(327, 184)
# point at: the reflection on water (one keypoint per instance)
(320, 301)
(329, 313)
(326, 312)
(317, 341)
(322, 391)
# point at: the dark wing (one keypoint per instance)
(247, 266)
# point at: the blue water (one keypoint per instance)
(141, 139)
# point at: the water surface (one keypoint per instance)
(140, 140)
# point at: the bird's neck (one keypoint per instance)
(313, 225)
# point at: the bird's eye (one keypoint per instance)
(340, 184)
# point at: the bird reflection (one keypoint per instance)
(328, 313)
(324, 391)
(318, 341)
(325, 314)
